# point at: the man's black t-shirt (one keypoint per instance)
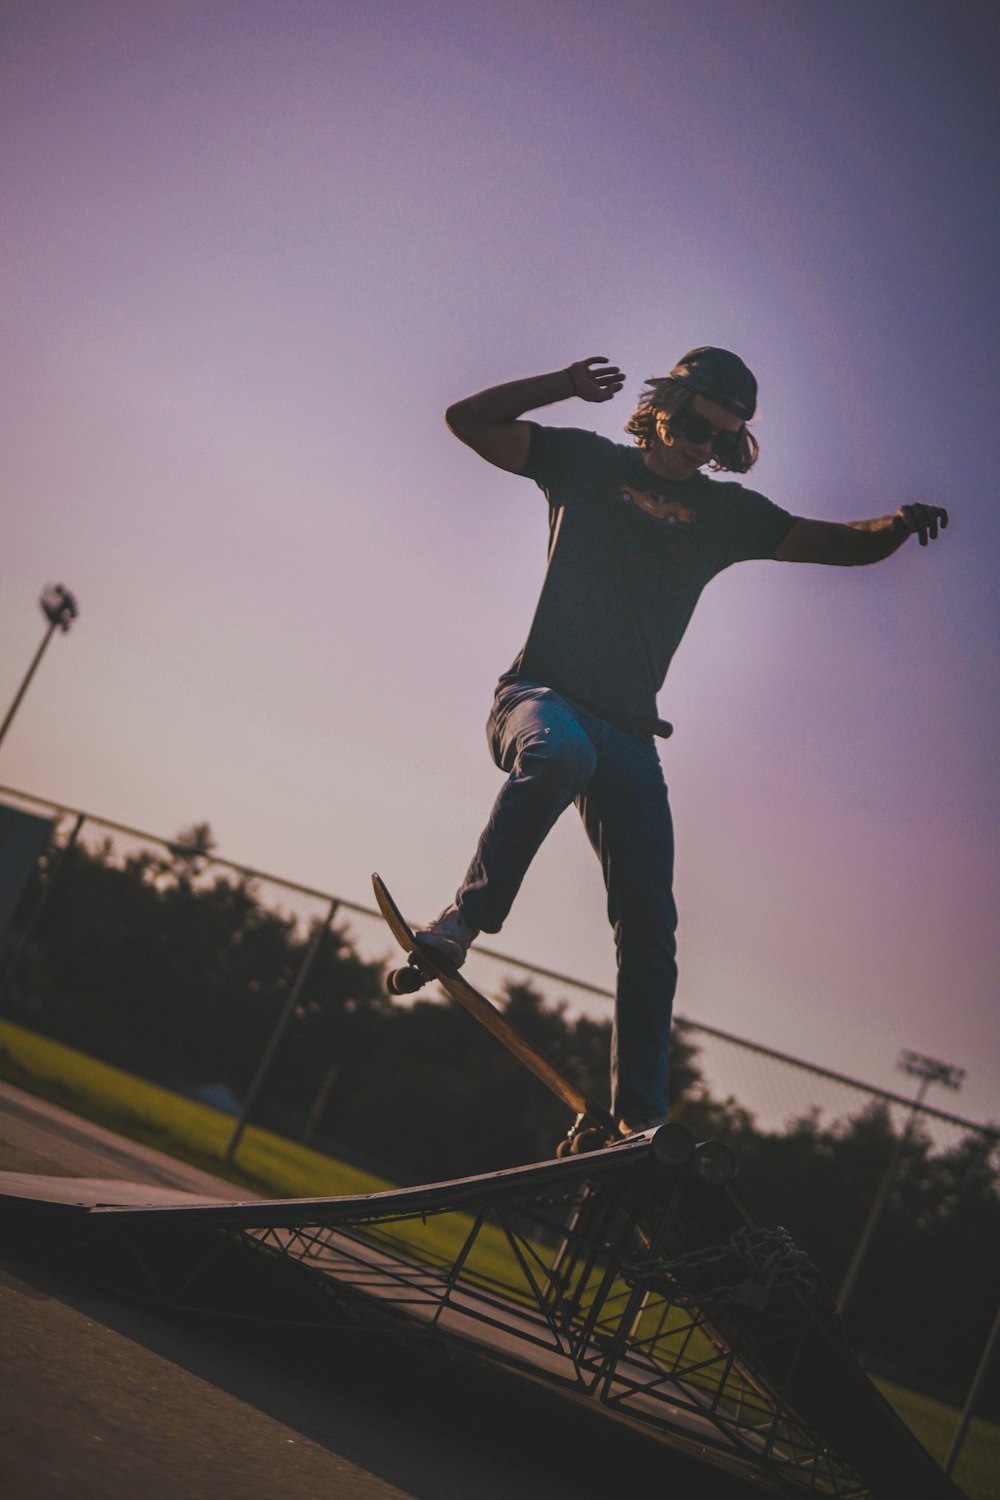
(629, 554)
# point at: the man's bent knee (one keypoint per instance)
(569, 760)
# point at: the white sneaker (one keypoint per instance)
(449, 935)
(639, 1127)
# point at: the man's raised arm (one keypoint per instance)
(855, 543)
(488, 423)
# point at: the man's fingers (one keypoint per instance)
(599, 359)
(925, 520)
(598, 384)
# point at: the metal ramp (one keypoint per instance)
(634, 1277)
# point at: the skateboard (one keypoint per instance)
(593, 1127)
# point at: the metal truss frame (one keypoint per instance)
(592, 1273)
(627, 1278)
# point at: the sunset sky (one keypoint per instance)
(250, 251)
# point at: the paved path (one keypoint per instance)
(100, 1400)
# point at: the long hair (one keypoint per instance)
(662, 394)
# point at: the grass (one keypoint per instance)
(274, 1166)
(170, 1122)
(978, 1469)
(265, 1163)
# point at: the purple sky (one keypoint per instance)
(252, 250)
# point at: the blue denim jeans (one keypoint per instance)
(556, 753)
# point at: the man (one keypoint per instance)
(635, 533)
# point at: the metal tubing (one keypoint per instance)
(284, 1021)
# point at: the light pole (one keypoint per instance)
(60, 609)
(929, 1070)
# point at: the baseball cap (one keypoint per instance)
(720, 375)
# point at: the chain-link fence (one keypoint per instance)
(898, 1201)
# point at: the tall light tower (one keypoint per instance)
(60, 609)
(929, 1070)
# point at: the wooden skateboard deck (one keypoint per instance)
(432, 965)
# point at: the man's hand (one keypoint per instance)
(595, 384)
(922, 519)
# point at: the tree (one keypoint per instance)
(167, 967)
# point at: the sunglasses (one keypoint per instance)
(699, 430)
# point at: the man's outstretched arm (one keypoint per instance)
(488, 423)
(855, 543)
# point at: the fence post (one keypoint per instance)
(929, 1070)
(320, 1102)
(968, 1410)
(38, 910)
(283, 1022)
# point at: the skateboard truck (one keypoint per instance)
(583, 1135)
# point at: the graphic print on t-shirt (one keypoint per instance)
(670, 512)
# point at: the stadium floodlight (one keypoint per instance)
(930, 1069)
(60, 608)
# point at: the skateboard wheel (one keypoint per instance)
(587, 1140)
(405, 981)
